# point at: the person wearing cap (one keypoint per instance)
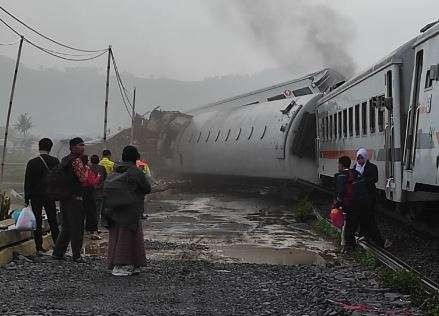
(72, 209)
(35, 185)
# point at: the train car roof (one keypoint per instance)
(427, 31)
(396, 56)
(320, 79)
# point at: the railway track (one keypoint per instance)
(388, 259)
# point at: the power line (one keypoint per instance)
(122, 92)
(116, 70)
(48, 38)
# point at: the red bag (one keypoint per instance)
(337, 217)
(92, 179)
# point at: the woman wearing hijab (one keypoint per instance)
(126, 249)
(364, 199)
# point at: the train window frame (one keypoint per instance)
(263, 132)
(208, 136)
(198, 138)
(331, 123)
(364, 119)
(340, 124)
(345, 123)
(372, 118)
(239, 134)
(227, 136)
(428, 80)
(351, 121)
(326, 128)
(251, 133)
(335, 126)
(217, 135)
(382, 115)
(357, 120)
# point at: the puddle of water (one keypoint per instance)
(264, 255)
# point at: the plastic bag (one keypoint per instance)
(26, 220)
(337, 217)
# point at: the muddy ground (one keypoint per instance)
(210, 252)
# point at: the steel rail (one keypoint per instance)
(388, 259)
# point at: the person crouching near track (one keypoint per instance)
(344, 189)
(124, 192)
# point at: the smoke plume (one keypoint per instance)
(300, 35)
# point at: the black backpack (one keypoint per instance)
(57, 180)
(118, 191)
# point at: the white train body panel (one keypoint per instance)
(422, 154)
(251, 141)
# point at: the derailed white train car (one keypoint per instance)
(389, 109)
(267, 133)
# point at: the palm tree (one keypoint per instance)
(23, 123)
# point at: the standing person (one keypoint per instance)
(91, 218)
(98, 190)
(126, 248)
(35, 186)
(106, 161)
(72, 209)
(365, 197)
(344, 190)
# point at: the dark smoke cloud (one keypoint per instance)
(299, 35)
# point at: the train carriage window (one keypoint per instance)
(321, 129)
(251, 133)
(264, 131)
(351, 121)
(381, 120)
(428, 79)
(335, 126)
(326, 128)
(372, 117)
(330, 127)
(357, 120)
(277, 97)
(190, 138)
(340, 125)
(364, 118)
(207, 138)
(345, 123)
(217, 135)
(227, 136)
(199, 136)
(239, 134)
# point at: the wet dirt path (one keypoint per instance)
(230, 227)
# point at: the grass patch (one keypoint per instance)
(303, 210)
(324, 227)
(367, 259)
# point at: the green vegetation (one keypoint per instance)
(324, 227)
(303, 210)
(367, 259)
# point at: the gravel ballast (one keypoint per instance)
(47, 287)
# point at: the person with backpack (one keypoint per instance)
(124, 193)
(68, 186)
(35, 192)
(365, 198)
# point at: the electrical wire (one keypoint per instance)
(47, 51)
(122, 90)
(10, 44)
(48, 38)
(116, 70)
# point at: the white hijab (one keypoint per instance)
(363, 153)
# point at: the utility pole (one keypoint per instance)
(132, 117)
(8, 118)
(107, 88)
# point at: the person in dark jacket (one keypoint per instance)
(35, 192)
(126, 248)
(72, 209)
(365, 197)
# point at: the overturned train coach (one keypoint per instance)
(297, 130)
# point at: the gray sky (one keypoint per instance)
(187, 40)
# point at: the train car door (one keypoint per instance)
(285, 121)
